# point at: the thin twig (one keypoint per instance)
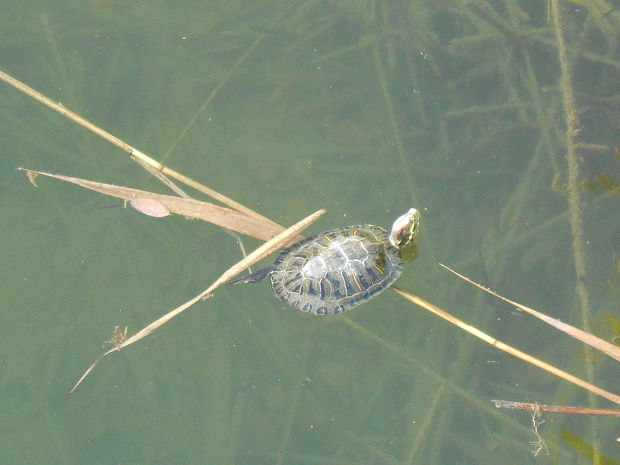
(555, 408)
(257, 255)
(135, 153)
(505, 347)
(585, 337)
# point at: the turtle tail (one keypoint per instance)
(255, 277)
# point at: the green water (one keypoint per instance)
(348, 106)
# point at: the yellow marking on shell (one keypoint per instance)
(331, 289)
(305, 284)
(307, 253)
(327, 238)
(357, 283)
(377, 267)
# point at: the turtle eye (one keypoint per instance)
(405, 229)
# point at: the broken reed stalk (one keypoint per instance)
(533, 407)
(230, 220)
(583, 336)
(132, 151)
(257, 255)
(507, 348)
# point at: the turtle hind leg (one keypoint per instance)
(255, 277)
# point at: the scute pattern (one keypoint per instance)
(336, 270)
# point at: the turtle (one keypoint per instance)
(339, 269)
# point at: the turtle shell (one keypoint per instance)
(336, 270)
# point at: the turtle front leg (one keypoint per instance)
(255, 277)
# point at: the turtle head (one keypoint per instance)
(405, 229)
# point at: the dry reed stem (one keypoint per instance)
(132, 151)
(555, 408)
(583, 336)
(505, 347)
(231, 220)
(257, 255)
(162, 178)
